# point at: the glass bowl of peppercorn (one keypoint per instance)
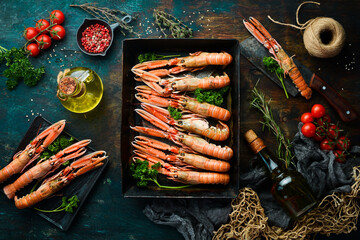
(95, 36)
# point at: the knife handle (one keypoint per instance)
(344, 109)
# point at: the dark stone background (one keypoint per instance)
(106, 214)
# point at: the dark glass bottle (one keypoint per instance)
(289, 187)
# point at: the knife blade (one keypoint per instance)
(254, 52)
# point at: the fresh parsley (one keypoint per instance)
(59, 144)
(174, 113)
(273, 66)
(143, 174)
(212, 96)
(19, 67)
(144, 57)
(67, 205)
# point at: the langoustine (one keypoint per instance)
(32, 150)
(61, 179)
(285, 62)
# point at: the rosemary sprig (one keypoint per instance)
(176, 27)
(108, 15)
(284, 150)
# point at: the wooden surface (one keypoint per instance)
(106, 214)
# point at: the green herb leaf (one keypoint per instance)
(143, 174)
(144, 57)
(67, 205)
(273, 66)
(174, 113)
(212, 96)
(58, 144)
(64, 142)
(19, 67)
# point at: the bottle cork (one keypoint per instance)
(67, 85)
(255, 142)
(250, 136)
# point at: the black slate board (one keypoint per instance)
(80, 186)
(131, 50)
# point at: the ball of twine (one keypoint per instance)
(314, 40)
(323, 37)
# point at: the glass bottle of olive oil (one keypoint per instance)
(79, 89)
(289, 188)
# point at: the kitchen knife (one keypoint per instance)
(253, 51)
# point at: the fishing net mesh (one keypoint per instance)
(337, 213)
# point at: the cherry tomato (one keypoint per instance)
(333, 131)
(340, 156)
(318, 111)
(57, 32)
(319, 134)
(324, 121)
(42, 24)
(343, 143)
(44, 41)
(327, 144)
(308, 129)
(34, 49)
(30, 33)
(307, 118)
(57, 17)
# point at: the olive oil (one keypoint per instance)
(80, 89)
(289, 188)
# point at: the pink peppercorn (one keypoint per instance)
(96, 38)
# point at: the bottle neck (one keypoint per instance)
(271, 164)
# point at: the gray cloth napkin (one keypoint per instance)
(197, 219)
(193, 218)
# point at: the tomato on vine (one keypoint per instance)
(333, 131)
(324, 121)
(319, 134)
(43, 41)
(42, 24)
(57, 17)
(30, 33)
(57, 32)
(34, 49)
(343, 143)
(308, 130)
(317, 111)
(327, 144)
(307, 118)
(340, 156)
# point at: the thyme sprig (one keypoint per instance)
(285, 147)
(108, 15)
(176, 27)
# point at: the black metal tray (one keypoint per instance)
(80, 186)
(131, 49)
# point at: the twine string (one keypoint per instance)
(315, 29)
(301, 26)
